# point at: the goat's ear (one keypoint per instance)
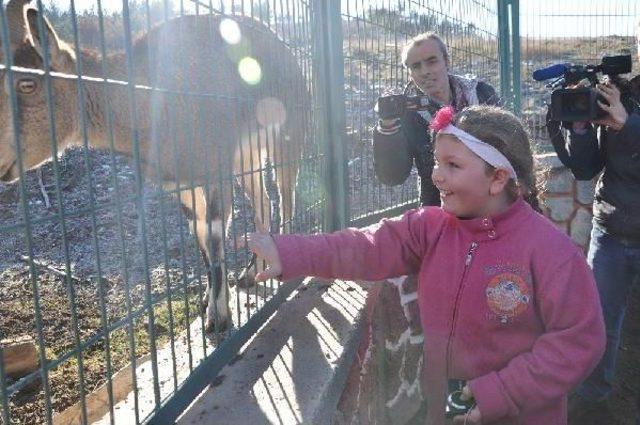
(62, 55)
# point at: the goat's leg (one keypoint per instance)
(256, 190)
(260, 196)
(218, 205)
(193, 206)
(206, 222)
(287, 161)
(287, 176)
(189, 200)
(249, 163)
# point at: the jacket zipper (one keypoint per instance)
(467, 263)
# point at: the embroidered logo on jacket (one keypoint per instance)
(507, 296)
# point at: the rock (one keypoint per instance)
(581, 227)
(561, 181)
(20, 356)
(585, 191)
(561, 208)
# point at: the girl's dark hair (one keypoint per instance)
(505, 132)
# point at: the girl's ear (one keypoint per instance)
(499, 182)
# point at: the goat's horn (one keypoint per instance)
(17, 22)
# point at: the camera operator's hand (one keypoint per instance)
(616, 114)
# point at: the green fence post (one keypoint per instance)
(504, 52)
(329, 102)
(515, 64)
(509, 51)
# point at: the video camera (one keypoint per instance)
(395, 105)
(574, 97)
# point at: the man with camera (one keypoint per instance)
(402, 135)
(609, 146)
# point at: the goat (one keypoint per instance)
(205, 123)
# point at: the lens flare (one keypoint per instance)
(230, 31)
(271, 112)
(250, 70)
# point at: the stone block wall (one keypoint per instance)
(568, 201)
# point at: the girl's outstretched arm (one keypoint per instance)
(390, 248)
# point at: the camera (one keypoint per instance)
(395, 105)
(574, 97)
(455, 405)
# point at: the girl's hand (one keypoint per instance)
(616, 114)
(473, 416)
(263, 246)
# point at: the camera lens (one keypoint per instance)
(577, 103)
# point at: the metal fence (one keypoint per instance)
(100, 260)
(98, 267)
(569, 31)
(374, 34)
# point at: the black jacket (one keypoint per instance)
(616, 207)
(395, 154)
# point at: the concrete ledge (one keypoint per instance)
(97, 403)
(294, 369)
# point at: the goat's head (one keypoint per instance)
(32, 114)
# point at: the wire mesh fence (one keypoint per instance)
(132, 131)
(101, 259)
(569, 32)
(198, 111)
(374, 34)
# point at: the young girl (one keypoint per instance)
(507, 301)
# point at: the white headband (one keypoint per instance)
(482, 149)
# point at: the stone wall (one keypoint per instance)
(568, 201)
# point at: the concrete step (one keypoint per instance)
(294, 369)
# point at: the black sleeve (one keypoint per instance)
(487, 94)
(629, 135)
(392, 159)
(581, 154)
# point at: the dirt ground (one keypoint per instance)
(108, 235)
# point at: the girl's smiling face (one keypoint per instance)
(468, 187)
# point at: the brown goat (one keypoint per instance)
(204, 123)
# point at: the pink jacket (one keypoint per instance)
(507, 303)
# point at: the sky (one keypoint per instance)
(538, 18)
(581, 18)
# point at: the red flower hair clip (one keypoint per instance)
(443, 118)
